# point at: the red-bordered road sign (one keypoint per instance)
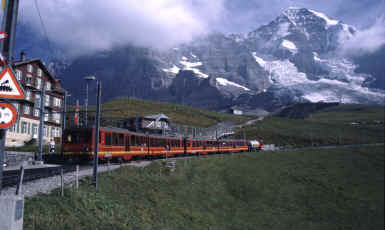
(8, 115)
(3, 35)
(9, 86)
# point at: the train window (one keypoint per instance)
(100, 137)
(133, 140)
(121, 139)
(152, 143)
(108, 138)
(143, 141)
(115, 140)
(77, 136)
(155, 142)
(140, 140)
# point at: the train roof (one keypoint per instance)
(120, 130)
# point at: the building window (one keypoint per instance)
(19, 75)
(45, 131)
(38, 83)
(53, 130)
(47, 100)
(56, 117)
(26, 109)
(23, 127)
(48, 86)
(30, 68)
(39, 72)
(35, 130)
(56, 102)
(36, 112)
(46, 117)
(28, 95)
(37, 100)
(29, 80)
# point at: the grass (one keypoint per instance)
(332, 127)
(185, 115)
(304, 189)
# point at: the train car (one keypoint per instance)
(117, 143)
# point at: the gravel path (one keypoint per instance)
(46, 185)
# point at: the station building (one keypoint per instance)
(33, 75)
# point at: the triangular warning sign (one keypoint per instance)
(9, 86)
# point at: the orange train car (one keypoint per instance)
(117, 143)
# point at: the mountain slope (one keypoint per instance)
(292, 59)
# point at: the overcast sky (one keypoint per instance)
(89, 25)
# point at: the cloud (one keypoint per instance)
(82, 26)
(86, 26)
(364, 41)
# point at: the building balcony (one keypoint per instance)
(53, 122)
(59, 90)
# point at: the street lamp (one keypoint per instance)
(87, 78)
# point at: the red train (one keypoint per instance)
(116, 143)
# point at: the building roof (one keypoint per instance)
(157, 117)
(35, 60)
(43, 67)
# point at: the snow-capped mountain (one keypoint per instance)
(294, 58)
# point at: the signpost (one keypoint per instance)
(8, 115)
(10, 88)
(11, 207)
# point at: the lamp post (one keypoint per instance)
(87, 78)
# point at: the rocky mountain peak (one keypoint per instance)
(302, 16)
(291, 59)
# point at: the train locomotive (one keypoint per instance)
(123, 145)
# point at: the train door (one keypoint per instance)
(127, 143)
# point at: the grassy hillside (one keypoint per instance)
(125, 107)
(307, 189)
(333, 126)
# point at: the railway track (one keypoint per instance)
(11, 177)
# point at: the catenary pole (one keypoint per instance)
(41, 125)
(96, 135)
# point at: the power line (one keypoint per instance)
(44, 28)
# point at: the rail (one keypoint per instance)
(11, 177)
